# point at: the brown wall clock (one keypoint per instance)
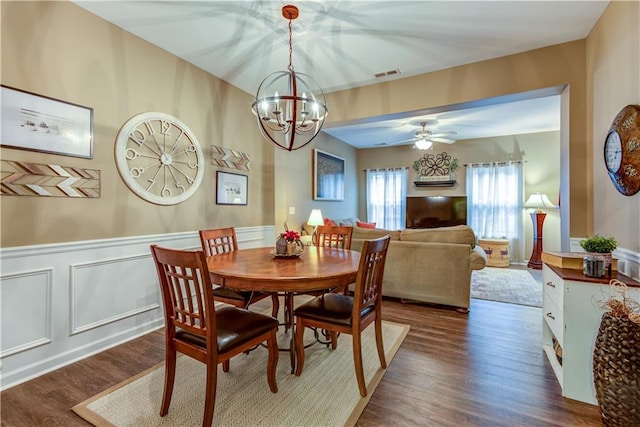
(622, 150)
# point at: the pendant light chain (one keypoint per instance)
(290, 48)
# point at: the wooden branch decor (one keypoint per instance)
(35, 179)
(229, 158)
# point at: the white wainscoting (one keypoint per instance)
(60, 303)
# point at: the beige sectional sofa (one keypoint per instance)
(430, 265)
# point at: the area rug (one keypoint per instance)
(506, 285)
(326, 394)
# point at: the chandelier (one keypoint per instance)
(290, 107)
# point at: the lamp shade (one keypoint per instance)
(315, 218)
(538, 201)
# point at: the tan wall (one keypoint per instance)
(295, 177)
(548, 67)
(59, 50)
(613, 59)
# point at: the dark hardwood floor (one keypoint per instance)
(486, 368)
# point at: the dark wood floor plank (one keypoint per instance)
(486, 368)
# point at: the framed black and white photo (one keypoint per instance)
(231, 188)
(39, 123)
(328, 176)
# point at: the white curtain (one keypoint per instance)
(494, 203)
(386, 197)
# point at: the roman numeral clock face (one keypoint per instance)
(159, 158)
(622, 151)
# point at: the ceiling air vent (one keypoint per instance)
(386, 73)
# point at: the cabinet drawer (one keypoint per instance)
(553, 286)
(554, 318)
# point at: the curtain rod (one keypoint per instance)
(494, 163)
(385, 169)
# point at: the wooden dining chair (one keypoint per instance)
(334, 237)
(195, 328)
(339, 313)
(221, 240)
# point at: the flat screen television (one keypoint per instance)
(436, 211)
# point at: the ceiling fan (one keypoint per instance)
(425, 138)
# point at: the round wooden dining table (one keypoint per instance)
(258, 269)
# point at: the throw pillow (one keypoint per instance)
(348, 222)
(366, 224)
(329, 223)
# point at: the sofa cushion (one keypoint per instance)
(373, 233)
(462, 234)
(347, 222)
(366, 224)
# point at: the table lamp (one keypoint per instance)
(315, 219)
(538, 201)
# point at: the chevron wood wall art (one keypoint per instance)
(35, 179)
(229, 158)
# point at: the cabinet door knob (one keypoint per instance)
(551, 316)
(550, 284)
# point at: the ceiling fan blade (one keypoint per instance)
(442, 140)
(389, 144)
(443, 133)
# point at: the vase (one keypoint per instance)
(594, 265)
(294, 247)
(281, 245)
(291, 248)
(608, 261)
(616, 371)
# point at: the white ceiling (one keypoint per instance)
(343, 43)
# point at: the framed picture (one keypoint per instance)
(231, 188)
(38, 123)
(328, 176)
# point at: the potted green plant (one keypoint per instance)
(598, 248)
(599, 244)
(453, 167)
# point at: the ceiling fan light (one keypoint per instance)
(423, 144)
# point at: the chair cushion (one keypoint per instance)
(235, 326)
(330, 307)
(224, 292)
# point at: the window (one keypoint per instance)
(386, 195)
(494, 203)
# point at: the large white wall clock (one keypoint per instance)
(159, 158)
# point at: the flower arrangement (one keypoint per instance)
(291, 235)
(599, 244)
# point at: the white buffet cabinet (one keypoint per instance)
(572, 312)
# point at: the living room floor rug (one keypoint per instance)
(326, 394)
(506, 285)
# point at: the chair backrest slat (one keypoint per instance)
(334, 236)
(218, 240)
(368, 286)
(187, 291)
